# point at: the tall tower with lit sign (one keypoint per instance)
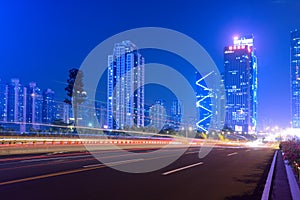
(295, 77)
(240, 80)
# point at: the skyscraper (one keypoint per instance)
(101, 113)
(158, 115)
(125, 87)
(16, 102)
(34, 105)
(49, 106)
(203, 104)
(240, 80)
(3, 101)
(16, 105)
(176, 115)
(64, 112)
(295, 77)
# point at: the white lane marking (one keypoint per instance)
(182, 168)
(113, 163)
(192, 152)
(231, 154)
(54, 153)
(55, 158)
(93, 165)
(248, 150)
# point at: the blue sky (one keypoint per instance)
(41, 40)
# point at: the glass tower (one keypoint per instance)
(158, 115)
(125, 87)
(49, 106)
(3, 101)
(34, 105)
(203, 104)
(295, 77)
(176, 114)
(240, 80)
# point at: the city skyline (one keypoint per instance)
(47, 40)
(136, 99)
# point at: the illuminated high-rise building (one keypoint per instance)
(125, 87)
(240, 80)
(101, 113)
(16, 105)
(16, 102)
(64, 112)
(203, 104)
(176, 114)
(295, 77)
(158, 115)
(3, 101)
(34, 105)
(49, 106)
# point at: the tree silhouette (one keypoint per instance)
(75, 92)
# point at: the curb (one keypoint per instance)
(294, 188)
(266, 192)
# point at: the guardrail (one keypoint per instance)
(10, 141)
(56, 141)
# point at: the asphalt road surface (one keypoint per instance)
(225, 173)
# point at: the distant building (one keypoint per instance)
(125, 91)
(176, 114)
(158, 115)
(34, 106)
(295, 77)
(49, 106)
(3, 101)
(64, 112)
(101, 113)
(240, 80)
(203, 104)
(23, 108)
(16, 105)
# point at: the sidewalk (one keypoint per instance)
(280, 189)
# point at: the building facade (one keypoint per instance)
(240, 80)
(158, 115)
(101, 114)
(49, 106)
(16, 105)
(295, 77)
(34, 106)
(176, 114)
(125, 87)
(3, 101)
(203, 104)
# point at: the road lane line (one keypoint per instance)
(65, 172)
(114, 163)
(192, 152)
(93, 165)
(55, 158)
(232, 154)
(182, 168)
(68, 161)
(48, 175)
(248, 150)
(83, 169)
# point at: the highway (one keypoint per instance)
(225, 173)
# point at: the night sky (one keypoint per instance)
(41, 40)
